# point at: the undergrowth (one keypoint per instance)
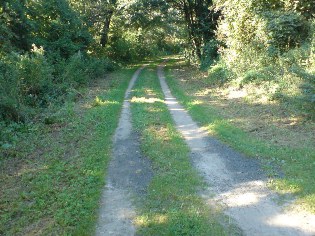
(35, 81)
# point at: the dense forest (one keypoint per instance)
(50, 48)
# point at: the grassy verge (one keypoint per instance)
(51, 180)
(172, 206)
(298, 162)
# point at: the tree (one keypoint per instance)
(97, 14)
(14, 24)
(200, 19)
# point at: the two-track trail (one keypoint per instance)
(128, 176)
(238, 183)
(235, 182)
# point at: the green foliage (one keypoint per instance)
(285, 29)
(269, 43)
(31, 81)
(43, 52)
(219, 74)
(210, 54)
(15, 24)
(34, 77)
(75, 71)
(58, 28)
(122, 50)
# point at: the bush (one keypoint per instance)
(121, 50)
(75, 71)
(97, 67)
(32, 81)
(285, 29)
(219, 74)
(210, 54)
(35, 77)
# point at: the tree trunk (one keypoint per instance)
(105, 31)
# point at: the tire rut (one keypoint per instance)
(129, 174)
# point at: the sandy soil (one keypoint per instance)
(237, 182)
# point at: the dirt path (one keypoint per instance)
(238, 182)
(128, 176)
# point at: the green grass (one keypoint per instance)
(172, 205)
(298, 164)
(54, 175)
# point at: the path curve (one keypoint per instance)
(238, 182)
(128, 176)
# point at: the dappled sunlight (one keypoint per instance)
(144, 221)
(234, 94)
(196, 102)
(210, 129)
(291, 220)
(203, 92)
(192, 133)
(237, 197)
(239, 184)
(100, 102)
(260, 117)
(160, 133)
(253, 202)
(146, 100)
(170, 101)
(150, 92)
(155, 109)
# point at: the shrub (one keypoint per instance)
(75, 70)
(210, 54)
(121, 50)
(219, 74)
(285, 29)
(35, 77)
(10, 97)
(32, 81)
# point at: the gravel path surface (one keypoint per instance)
(129, 174)
(238, 183)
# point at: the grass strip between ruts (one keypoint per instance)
(172, 205)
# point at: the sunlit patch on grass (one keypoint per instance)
(160, 133)
(203, 92)
(144, 221)
(234, 94)
(146, 100)
(196, 102)
(150, 92)
(99, 102)
(285, 186)
(155, 109)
